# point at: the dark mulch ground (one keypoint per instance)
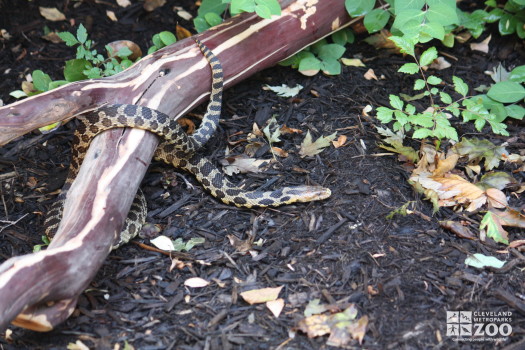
(416, 267)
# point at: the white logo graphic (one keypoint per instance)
(478, 326)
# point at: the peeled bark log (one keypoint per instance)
(45, 285)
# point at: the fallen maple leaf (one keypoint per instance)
(309, 148)
(258, 296)
(491, 225)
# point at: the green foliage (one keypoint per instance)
(510, 18)
(88, 64)
(210, 12)
(38, 247)
(322, 56)
(179, 245)
(161, 40)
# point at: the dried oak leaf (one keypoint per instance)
(309, 148)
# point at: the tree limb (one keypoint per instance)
(45, 285)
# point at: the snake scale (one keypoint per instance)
(178, 149)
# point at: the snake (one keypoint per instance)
(177, 148)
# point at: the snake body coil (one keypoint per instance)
(178, 149)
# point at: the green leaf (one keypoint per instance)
(434, 91)
(238, 6)
(263, 11)
(73, 70)
(409, 68)
(428, 56)
(358, 8)
(448, 40)
(433, 30)
(215, 6)
(492, 225)
(507, 24)
(459, 86)
(515, 111)
(82, 34)
(376, 20)
(342, 37)
(433, 80)
(331, 67)
(157, 41)
(331, 52)
(396, 102)
(384, 114)
(408, 4)
(57, 83)
(408, 20)
(212, 19)
(419, 84)
(273, 6)
(442, 14)
(200, 24)
(445, 98)
(68, 38)
(422, 133)
(309, 66)
(406, 45)
(167, 38)
(518, 74)
(506, 92)
(41, 80)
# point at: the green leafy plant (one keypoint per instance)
(210, 11)
(510, 16)
(161, 40)
(322, 56)
(88, 64)
(45, 243)
(435, 121)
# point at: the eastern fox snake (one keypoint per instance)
(178, 149)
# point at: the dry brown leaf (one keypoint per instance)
(517, 243)
(496, 198)
(259, 296)
(446, 165)
(511, 217)
(52, 14)
(182, 32)
(187, 123)
(150, 5)
(456, 190)
(369, 75)
(111, 15)
(352, 62)
(123, 3)
(52, 37)
(182, 13)
(78, 345)
(460, 230)
(287, 130)
(196, 282)
(242, 246)
(482, 46)
(243, 164)
(340, 142)
(381, 41)
(275, 306)
(280, 152)
(440, 63)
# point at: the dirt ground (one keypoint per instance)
(404, 274)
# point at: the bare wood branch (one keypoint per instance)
(46, 284)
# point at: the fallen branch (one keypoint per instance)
(45, 285)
